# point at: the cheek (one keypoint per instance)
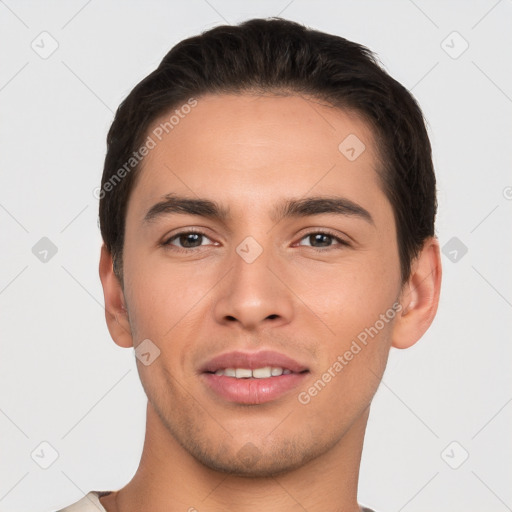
(350, 295)
(356, 344)
(346, 381)
(162, 294)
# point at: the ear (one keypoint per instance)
(115, 308)
(419, 297)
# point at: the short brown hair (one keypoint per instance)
(280, 55)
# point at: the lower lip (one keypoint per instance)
(252, 391)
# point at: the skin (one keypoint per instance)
(249, 152)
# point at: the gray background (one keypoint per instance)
(64, 382)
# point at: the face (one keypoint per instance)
(254, 241)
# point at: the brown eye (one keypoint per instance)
(321, 239)
(187, 240)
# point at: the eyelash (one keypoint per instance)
(167, 243)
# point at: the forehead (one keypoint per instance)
(250, 148)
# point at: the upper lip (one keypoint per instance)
(252, 360)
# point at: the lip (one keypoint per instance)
(252, 391)
(252, 360)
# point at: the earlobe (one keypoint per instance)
(116, 314)
(420, 296)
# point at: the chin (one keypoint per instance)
(254, 460)
(264, 467)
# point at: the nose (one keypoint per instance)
(254, 294)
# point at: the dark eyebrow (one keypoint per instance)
(173, 203)
(319, 205)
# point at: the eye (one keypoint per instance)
(323, 239)
(186, 240)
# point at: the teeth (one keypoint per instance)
(262, 373)
(257, 373)
(243, 373)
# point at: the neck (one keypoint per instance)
(170, 479)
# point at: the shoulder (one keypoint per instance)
(89, 503)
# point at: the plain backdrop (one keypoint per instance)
(439, 432)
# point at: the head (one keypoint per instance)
(268, 187)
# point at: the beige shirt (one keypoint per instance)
(89, 503)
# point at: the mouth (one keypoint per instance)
(264, 372)
(252, 378)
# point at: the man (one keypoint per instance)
(267, 208)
